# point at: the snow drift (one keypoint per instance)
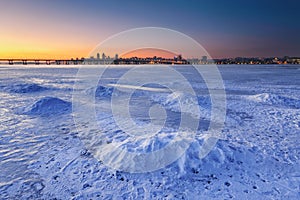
(101, 92)
(48, 106)
(24, 88)
(276, 100)
(181, 102)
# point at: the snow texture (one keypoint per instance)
(43, 157)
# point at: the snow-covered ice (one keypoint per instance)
(43, 156)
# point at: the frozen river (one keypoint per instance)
(43, 156)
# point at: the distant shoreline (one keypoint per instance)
(146, 65)
(153, 61)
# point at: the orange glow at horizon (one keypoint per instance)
(30, 52)
(149, 52)
(51, 45)
(36, 54)
(11, 51)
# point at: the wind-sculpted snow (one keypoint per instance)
(48, 106)
(43, 157)
(102, 92)
(135, 144)
(277, 100)
(188, 103)
(24, 88)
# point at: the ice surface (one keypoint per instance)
(43, 157)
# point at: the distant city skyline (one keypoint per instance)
(65, 29)
(103, 59)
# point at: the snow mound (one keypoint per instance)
(47, 106)
(25, 88)
(277, 100)
(102, 91)
(186, 103)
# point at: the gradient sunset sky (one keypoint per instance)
(72, 28)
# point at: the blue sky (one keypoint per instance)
(225, 28)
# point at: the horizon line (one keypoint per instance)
(80, 58)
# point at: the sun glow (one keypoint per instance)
(149, 52)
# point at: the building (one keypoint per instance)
(294, 60)
(204, 60)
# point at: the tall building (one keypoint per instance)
(98, 56)
(116, 57)
(204, 60)
(103, 56)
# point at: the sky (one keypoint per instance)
(73, 28)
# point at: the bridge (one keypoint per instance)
(92, 61)
(41, 61)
